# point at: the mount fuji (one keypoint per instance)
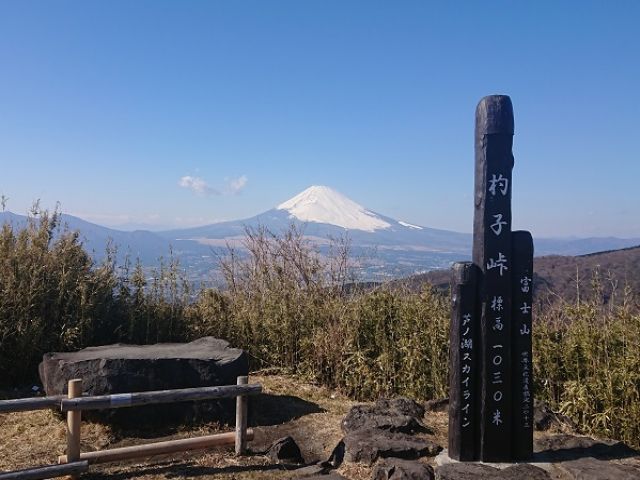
(383, 247)
(323, 212)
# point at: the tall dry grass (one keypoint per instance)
(587, 362)
(288, 305)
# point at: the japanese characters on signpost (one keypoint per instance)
(522, 368)
(462, 424)
(491, 394)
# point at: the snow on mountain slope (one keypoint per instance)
(409, 225)
(324, 205)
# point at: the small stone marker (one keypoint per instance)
(490, 414)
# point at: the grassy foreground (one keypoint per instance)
(287, 305)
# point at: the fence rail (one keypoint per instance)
(29, 404)
(48, 471)
(123, 400)
(76, 462)
(158, 448)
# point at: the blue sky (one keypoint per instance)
(106, 107)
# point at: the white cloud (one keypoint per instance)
(236, 185)
(197, 185)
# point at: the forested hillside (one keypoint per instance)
(567, 278)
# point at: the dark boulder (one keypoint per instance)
(396, 415)
(366, 446)
(285, 450)
(398, 469)
(123, 368)
(384, 430)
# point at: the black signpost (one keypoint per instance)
(522, 291)
(464, 337)
(500, 375)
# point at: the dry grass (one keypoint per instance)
(34, 438)
(310, 414)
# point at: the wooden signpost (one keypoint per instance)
(463, 394)
(522, 368)
(499, 376)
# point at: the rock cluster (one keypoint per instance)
(395, 415)
(386, 429)
(389, 437)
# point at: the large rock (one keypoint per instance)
(366, 446)
(396, 415)
(123, 368)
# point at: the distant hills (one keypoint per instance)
(567, 277)
(142, 244)
(385, 247)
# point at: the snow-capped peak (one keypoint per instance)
(324, 205)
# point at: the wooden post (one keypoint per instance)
(492, 253)
(522, 368)
(463, 362)
(74, 419)
(241, 419)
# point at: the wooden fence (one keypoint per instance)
(76, 462)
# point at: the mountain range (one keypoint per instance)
(385, 247)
